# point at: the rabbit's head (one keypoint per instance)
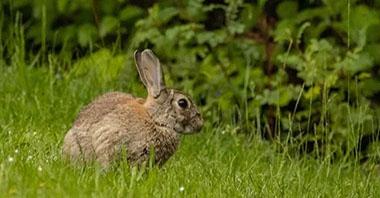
(167, 107)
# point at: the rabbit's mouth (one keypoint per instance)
(197, 123)
(194, 125)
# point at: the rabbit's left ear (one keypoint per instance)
(149, 68)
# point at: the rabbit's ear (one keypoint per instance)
(149, 68)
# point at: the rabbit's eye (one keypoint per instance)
(182, 103)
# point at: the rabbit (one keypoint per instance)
(119, 121)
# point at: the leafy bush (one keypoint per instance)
(65, 26)
(309, 66)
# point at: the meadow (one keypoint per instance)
(288, 91)
(38, 107)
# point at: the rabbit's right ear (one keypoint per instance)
(149, 68)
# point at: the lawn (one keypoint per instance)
(39, 104)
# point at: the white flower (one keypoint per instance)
(11, 159)
(223, 132)
(9, 132)
(181, 188)
(58, 76)
(39, 168)
(16, 151)
(29, 158)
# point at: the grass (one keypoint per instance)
(38, 106)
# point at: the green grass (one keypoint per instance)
(37, 107)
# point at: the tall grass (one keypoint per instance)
(39, 103)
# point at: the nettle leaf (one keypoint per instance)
(208, 67)
(108, 7)
(284, 30)
(152, 34)
(319, 46)
(364, 75)
(285, 96)
(373, 33)
(235, 27)
(130, 12)
(369, 86)
(316, 64)
(66, 33)
(280, 96)
(313, 92)
(373, 50)
(287, 9)
(86, 34)
(195, 10)
(336, 6)
(250, 15)
(62, 5)
(331, 79)
(293, 61)
(181, 34)
(309, 14)
(160, 15)
(108, 25)
(211, 37)
(356, 62)
(361, 18)
(359, 36)
(248, 47)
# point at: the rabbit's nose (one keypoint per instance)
(198, 124)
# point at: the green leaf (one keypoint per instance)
(211, 37)
(86, 34)
(287, 9)
(369, 86)
(361, 18)
(194, 10)
(373, 33)
(162, 15)
(373, 50)
(250, 15)
(335, 6)
(62, 5)
(313, 92)
(356, 62)
(235, 27)
(284, 31)
(130, 12)
(108, 25)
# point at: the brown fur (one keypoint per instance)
(118, 122)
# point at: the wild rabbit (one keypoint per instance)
(118, 121)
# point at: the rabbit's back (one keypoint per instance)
(109, 122)
(103, 105)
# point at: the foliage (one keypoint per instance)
(312, 64)
(64, 26)
(304, 72)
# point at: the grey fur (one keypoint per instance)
(118, 121)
